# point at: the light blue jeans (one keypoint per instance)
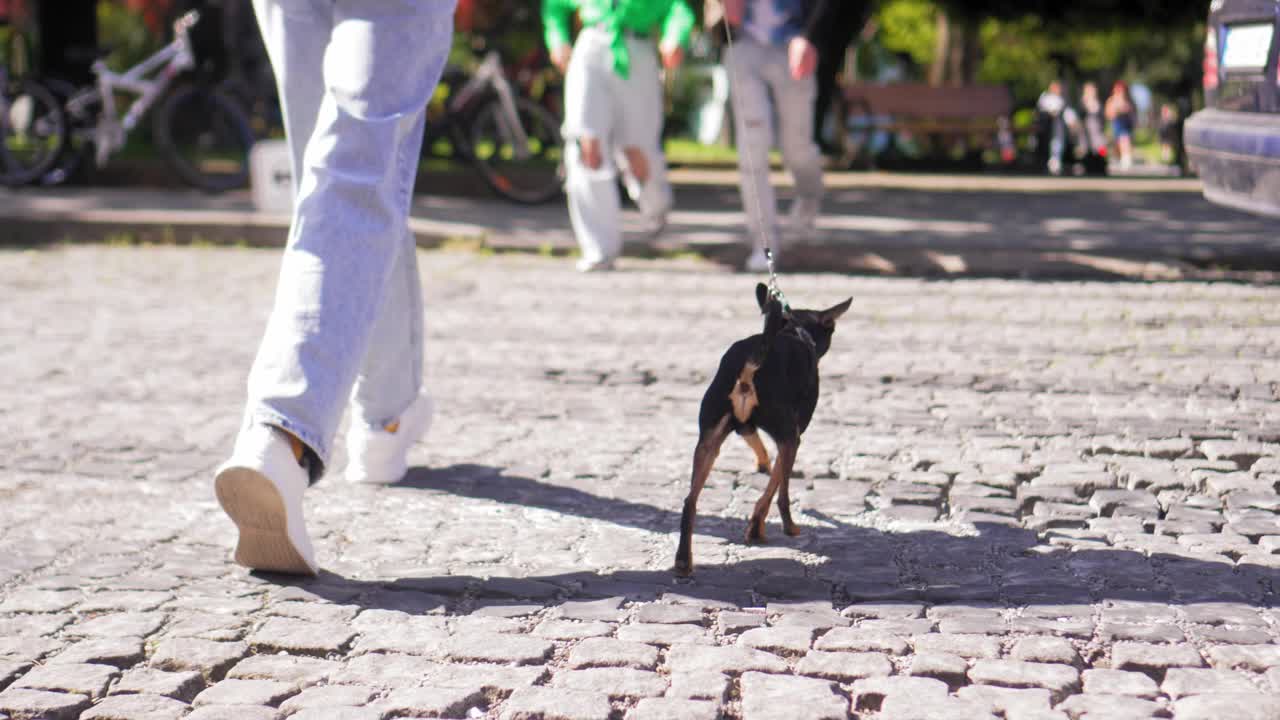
(354, 78)
(762, 89)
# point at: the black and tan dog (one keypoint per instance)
(766, 382)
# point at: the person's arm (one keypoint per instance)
(676, 27)
(556, 30)
(823, 15)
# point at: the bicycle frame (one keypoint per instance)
(109, 132)
(490, 75)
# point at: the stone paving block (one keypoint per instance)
(900, 707)
(951, 669)
(121, 652)
(246, 692)
(607, 652)
(859, 640)
(1059, 680)
(870, 693)
(542, 703)
(399, 639)
(572, 630)
(1007, 701)
(339, 713)
(301, 637)
(499, 648)
(493, 678)
(208, 626)
(1150, 633)
(617, 683)
(232, 712)
(966, 646)
(137, 707)
(778, 640)
(654, 634)
(1236, 706)
(521, 588)
(39, 601)
(24, 704)
(700, 685)
(843, 667)
(208, 657)
(302, 671)
(773, 697)
(604, 610)
(1045, 650)
(1250, 657)
(1104, 681)
(1154, 660)
(884, 611)
(383, 670)
(663, 613)
(76, 678)
(123, 600)
(328, 697)
(731, 623)
(119, 625)
(12, 670)
(673, 709)
(432, 702)
(1119, 707)
(729, 660)
(1180, 682)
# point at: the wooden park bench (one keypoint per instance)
(976, 117)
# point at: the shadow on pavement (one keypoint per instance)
(1000, 565)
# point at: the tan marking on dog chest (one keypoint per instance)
(743, 396)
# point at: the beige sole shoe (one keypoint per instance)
(267, 511)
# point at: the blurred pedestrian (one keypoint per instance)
(771, 62)
(1169, 132)
(1095, 132)
(613, 112)
(832, 41)
(1121, 114)
(1057, 117)
(346, 327)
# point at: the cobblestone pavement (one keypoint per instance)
(1019, 500)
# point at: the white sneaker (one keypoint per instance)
(757, 262)
(380, 457)
(261, 488)
(588, 266)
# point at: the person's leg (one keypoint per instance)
(380, 65)
(799, 152)
(640, 136)
(590, 170)
(753, 130)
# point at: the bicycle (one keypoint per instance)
(33, 130)
(202, 134)
(513, 141)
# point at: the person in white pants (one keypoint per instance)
(613, 115)
(771, 62)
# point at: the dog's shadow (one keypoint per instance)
(999, 564)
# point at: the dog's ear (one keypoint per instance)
(831, 314)
(762, 297)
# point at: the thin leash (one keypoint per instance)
(774, 290)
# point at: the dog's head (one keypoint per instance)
(819, 324)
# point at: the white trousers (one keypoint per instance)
(620, 113)
(762, 88)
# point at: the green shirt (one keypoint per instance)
(674, 19)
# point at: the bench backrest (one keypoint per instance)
(920, 100)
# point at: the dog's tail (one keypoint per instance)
(743, 397)
(774, 321)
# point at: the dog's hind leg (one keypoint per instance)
(704, 457)
(777, 479)
(784, 497)
(757, 445)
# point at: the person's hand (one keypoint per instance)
(802, 57)
(672, 55)
(560, 55)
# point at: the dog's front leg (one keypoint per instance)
(704, 457)
(781, 472)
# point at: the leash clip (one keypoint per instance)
(774, 291)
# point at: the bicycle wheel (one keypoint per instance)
(528, 172)
(205, 137)
(33, 129)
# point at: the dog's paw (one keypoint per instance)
(763, 468)
(683, 568)
(755, 533)
(791, 529)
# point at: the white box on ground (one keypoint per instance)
(270, 176)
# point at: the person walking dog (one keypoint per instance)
(771, 57)
(346, 326)
(613, 112)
